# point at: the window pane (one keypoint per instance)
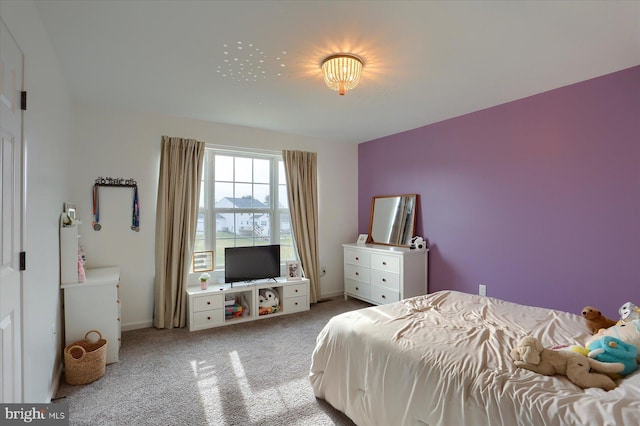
(243, 229)
(283, 200)
(243, 191)
(224, 168)
(221, 243)
(261, 171)
(199, 243)
(282, 177)
(286, 238)
(243, 172)
(201, 201)
(262, 228)
(261, 196)
(223, 190)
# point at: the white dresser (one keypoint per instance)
(384, 274)
(94, 305)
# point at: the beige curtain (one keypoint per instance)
(302, 185)
(176, 216)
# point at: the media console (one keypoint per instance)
(224, 304)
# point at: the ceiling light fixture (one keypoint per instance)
(342, 72)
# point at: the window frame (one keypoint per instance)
(210, 211)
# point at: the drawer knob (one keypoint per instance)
(117, 285)
(384, 280)
(357, 288)
(296, 303)
(384, 297)
(357, 273)
(208, 318)
(384, 263)
(118, 318)
(357, 258)
(296, 290)
(208, 302)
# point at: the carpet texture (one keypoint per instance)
(254, 373)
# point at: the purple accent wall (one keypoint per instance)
(538, 199)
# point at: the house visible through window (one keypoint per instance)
(243, 202)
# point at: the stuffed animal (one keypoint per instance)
(628, 332)
(611, 349)
(268, 298)
(629, 312)
(595, 319)
(579, 369)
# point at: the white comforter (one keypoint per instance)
(443, 359)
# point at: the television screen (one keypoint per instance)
(251, 263)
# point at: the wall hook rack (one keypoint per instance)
(119, 183)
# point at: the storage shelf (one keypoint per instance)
(206, 308)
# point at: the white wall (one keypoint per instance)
(62, 166)
(47, 135)
(111, 143)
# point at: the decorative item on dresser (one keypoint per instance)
(94, 305)
(393, 219)
(384, 274)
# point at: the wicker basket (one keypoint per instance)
(85, 361)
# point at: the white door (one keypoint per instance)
(11, 188)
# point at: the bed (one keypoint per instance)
(443, 359)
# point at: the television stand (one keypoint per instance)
(225, 304)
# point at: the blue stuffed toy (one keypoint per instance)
(611, 349)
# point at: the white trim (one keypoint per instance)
(137, 325)
(55, 383)
(332, 294)
(243, 150)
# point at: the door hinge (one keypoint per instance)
(23, 261)
(23, 100)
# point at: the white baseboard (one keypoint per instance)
(55, 383)
(137, 325)
(332, 294)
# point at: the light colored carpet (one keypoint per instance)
(253, 373)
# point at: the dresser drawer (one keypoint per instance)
(357, 273)
(383, 295)
(357, 289)
(295, 290)
(385, 279)
(356, 257)
(294, 304)
(208, 301)
(385, 262)
(206, 319)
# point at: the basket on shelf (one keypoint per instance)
(85, 361)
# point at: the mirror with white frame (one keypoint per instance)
(393, 219)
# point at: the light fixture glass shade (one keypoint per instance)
(342, 72)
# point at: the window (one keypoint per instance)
(243, 202)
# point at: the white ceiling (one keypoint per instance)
(425, 61)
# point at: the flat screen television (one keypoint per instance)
(251, 263)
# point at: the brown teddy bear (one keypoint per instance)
(595, 319)
(579, 369)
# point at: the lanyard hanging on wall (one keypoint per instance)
(135, 217)
(96, 209)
